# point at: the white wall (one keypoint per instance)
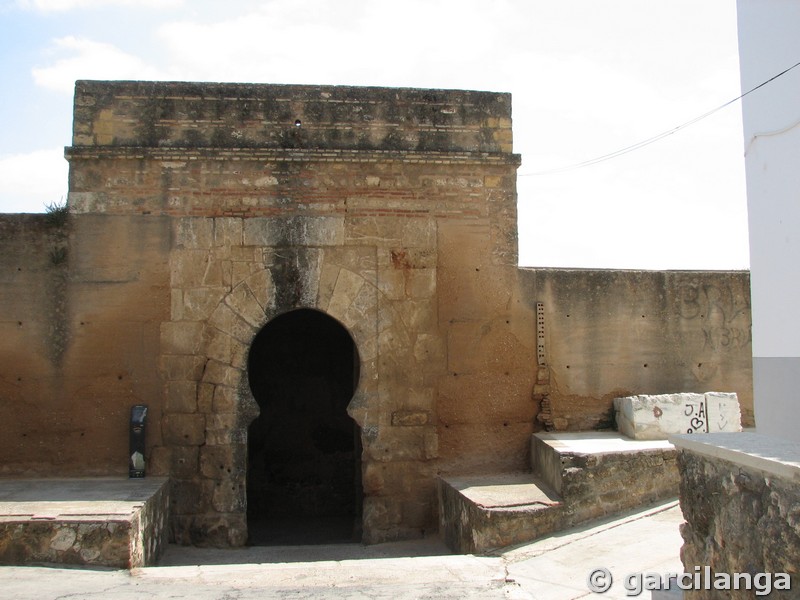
(769, 42)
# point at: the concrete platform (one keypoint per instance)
(481, 513)
(555, 568)
(555, 455)
(576, 477)
(111, 522)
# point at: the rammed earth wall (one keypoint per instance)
(199, 212)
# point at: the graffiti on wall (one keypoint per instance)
(725, 318)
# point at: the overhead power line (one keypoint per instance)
(655, 138)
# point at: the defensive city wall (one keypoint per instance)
(199, 214)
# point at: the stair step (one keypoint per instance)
(577, 477)
(554, 454)
(481, 513)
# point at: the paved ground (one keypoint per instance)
(553, 569)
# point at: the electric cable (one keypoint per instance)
(655, 138)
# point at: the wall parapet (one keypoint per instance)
(183, 114)
(739, 494)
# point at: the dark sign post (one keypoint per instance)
(137, 432)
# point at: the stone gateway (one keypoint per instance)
(315, 292)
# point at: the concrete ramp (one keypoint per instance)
(576, 477)
(116, 522)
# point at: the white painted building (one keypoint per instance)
(769, 43)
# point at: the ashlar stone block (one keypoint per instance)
(199, 303)
(262, 287)
(181, 397)
(655, 417)
(348, 285)
(244, 303)
(184, 430)
(181, 337)
(194, 232)
(228, 321)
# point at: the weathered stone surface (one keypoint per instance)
(106, 523)
(738, 520)
(655, 417)
(204, 208)
(181, 397)
(410, 418)
(611, 333)
(181, 337)
(184, 429)
(467, 527)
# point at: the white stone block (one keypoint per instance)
(654, 417)
(724, 412)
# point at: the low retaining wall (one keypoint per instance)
(95, 522)
(740, 495)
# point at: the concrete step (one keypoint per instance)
(576, 477)
(601, 473)
(112, 522)
(481, 513)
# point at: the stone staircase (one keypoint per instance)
(576, 477)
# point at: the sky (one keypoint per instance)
(587, 78)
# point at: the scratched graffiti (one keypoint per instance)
(725, 317)
(697, 413)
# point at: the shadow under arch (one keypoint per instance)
(304, 450)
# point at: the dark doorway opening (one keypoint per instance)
(304, 451)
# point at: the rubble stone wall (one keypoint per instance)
(738, 520)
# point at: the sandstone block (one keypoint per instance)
(228, 321)
(218, 461)
(194, 232)
(177, 367)
(222, 374)
(184, 462)
(181, 337)
(224, 429)
(227, 231)
(205, 397)
(228, 496)
(180, 397)
(262, 288)
(199, 303)
(429, 351)
(195, 268)
(244, 303)
(410, 418)
(225, 399)
(421, 283)
(391, 233)
(184, 429)
(294, 231)
(348, 285)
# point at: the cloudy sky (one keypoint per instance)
(588, 78)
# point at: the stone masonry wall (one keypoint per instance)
(285, 197)
(738, 520)
(198, 212)
(613, 333)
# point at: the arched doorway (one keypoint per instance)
(304, 472)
